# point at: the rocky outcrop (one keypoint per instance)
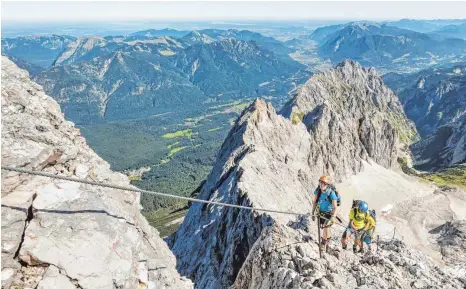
(60, 234)
(335, 122)
(451, 240)
(350, 108)
(283, 258)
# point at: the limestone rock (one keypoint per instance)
(452, 241)
(93, 236)
(264, 266)
(53, 279)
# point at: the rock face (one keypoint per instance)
(433, 97)
(451, 240)
(352, 109)
(445, 148)
(335, 122)
(60, 234)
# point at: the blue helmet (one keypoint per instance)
(363, 207)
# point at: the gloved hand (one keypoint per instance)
(332, 220)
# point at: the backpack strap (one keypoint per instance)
(336, 195)
(319, 193)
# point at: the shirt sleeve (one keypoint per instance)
(351, 214)
(371, 221)
(315, 192)
(333, 196)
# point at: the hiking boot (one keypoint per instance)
(361, 250)
(344, 246)
(355, 249)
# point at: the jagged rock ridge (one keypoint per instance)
(271, 161)
(59, 234)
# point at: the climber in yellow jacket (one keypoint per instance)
(359, 222)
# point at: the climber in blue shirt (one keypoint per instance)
(326, 200)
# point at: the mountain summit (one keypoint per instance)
(337, 122)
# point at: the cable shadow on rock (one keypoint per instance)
(66, 212)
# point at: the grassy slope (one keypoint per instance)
(452, 176)
(164, 220)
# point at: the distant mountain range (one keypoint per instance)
(98, 79)
(38, 50)
(33, 69)
(160, 32)
(268, 43)
(425, 26)
(458, 31)
(385, 46)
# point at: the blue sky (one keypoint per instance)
(129, 11)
